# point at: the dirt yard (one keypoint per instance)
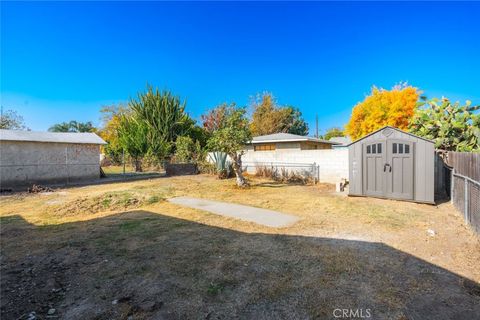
(120, 251)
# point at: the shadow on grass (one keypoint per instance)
(270, 184)
(152, 266)
(110, 179)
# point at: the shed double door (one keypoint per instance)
(388, 168)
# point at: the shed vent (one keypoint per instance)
(387, 131)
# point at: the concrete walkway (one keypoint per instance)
(264, 217)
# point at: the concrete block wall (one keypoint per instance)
(333, 162)
(24, 163)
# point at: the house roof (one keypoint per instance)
(341, 140)
(286, 137)
(58, 137)
(399, 130)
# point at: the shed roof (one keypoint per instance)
(399, 130)
(287, 137)
(58, 137)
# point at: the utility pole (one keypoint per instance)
(123, 160)
(316, 126)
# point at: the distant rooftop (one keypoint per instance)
(341, 140)
(287, 137)
(59, 137)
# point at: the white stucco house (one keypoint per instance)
(297, 152)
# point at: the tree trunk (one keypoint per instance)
(137, 164)
(237, 168)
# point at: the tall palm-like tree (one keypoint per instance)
(164, 116)
(72, 126)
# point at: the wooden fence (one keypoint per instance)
(465, 163)
(465, 186)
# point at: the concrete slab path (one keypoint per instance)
(264, 217)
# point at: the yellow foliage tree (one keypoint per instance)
(381, 108)
(111, 116)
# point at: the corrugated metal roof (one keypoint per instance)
(58, 137)
(287, 137)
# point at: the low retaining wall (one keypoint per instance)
(180, 169)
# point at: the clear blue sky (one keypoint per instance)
(62, 61)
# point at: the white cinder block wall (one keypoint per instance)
(333, 162)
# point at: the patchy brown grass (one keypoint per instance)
(108, 201)
(119, 251)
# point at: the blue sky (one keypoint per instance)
(62, 61)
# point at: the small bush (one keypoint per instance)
(214, 289)
(226, 173)
(207, 167)
(153, 199)
(283, 175)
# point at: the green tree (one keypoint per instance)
(334, 132)
(198, 134)
(60, 127)
(11, 120)
(453, 127)
(132, 135)
(231, 138)
(295, 124)
(268, 117)
(185, 148)
(164, 116)
(73, 126)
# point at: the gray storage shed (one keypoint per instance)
(28, 157)
(391, 163)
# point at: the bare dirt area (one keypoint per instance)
(120, 251)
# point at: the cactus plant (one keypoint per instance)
(222, 164)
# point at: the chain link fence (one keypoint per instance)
(466, 198)
(307, 171)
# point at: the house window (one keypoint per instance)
(265, 147)
(308, 146)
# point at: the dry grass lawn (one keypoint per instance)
(121, 251)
